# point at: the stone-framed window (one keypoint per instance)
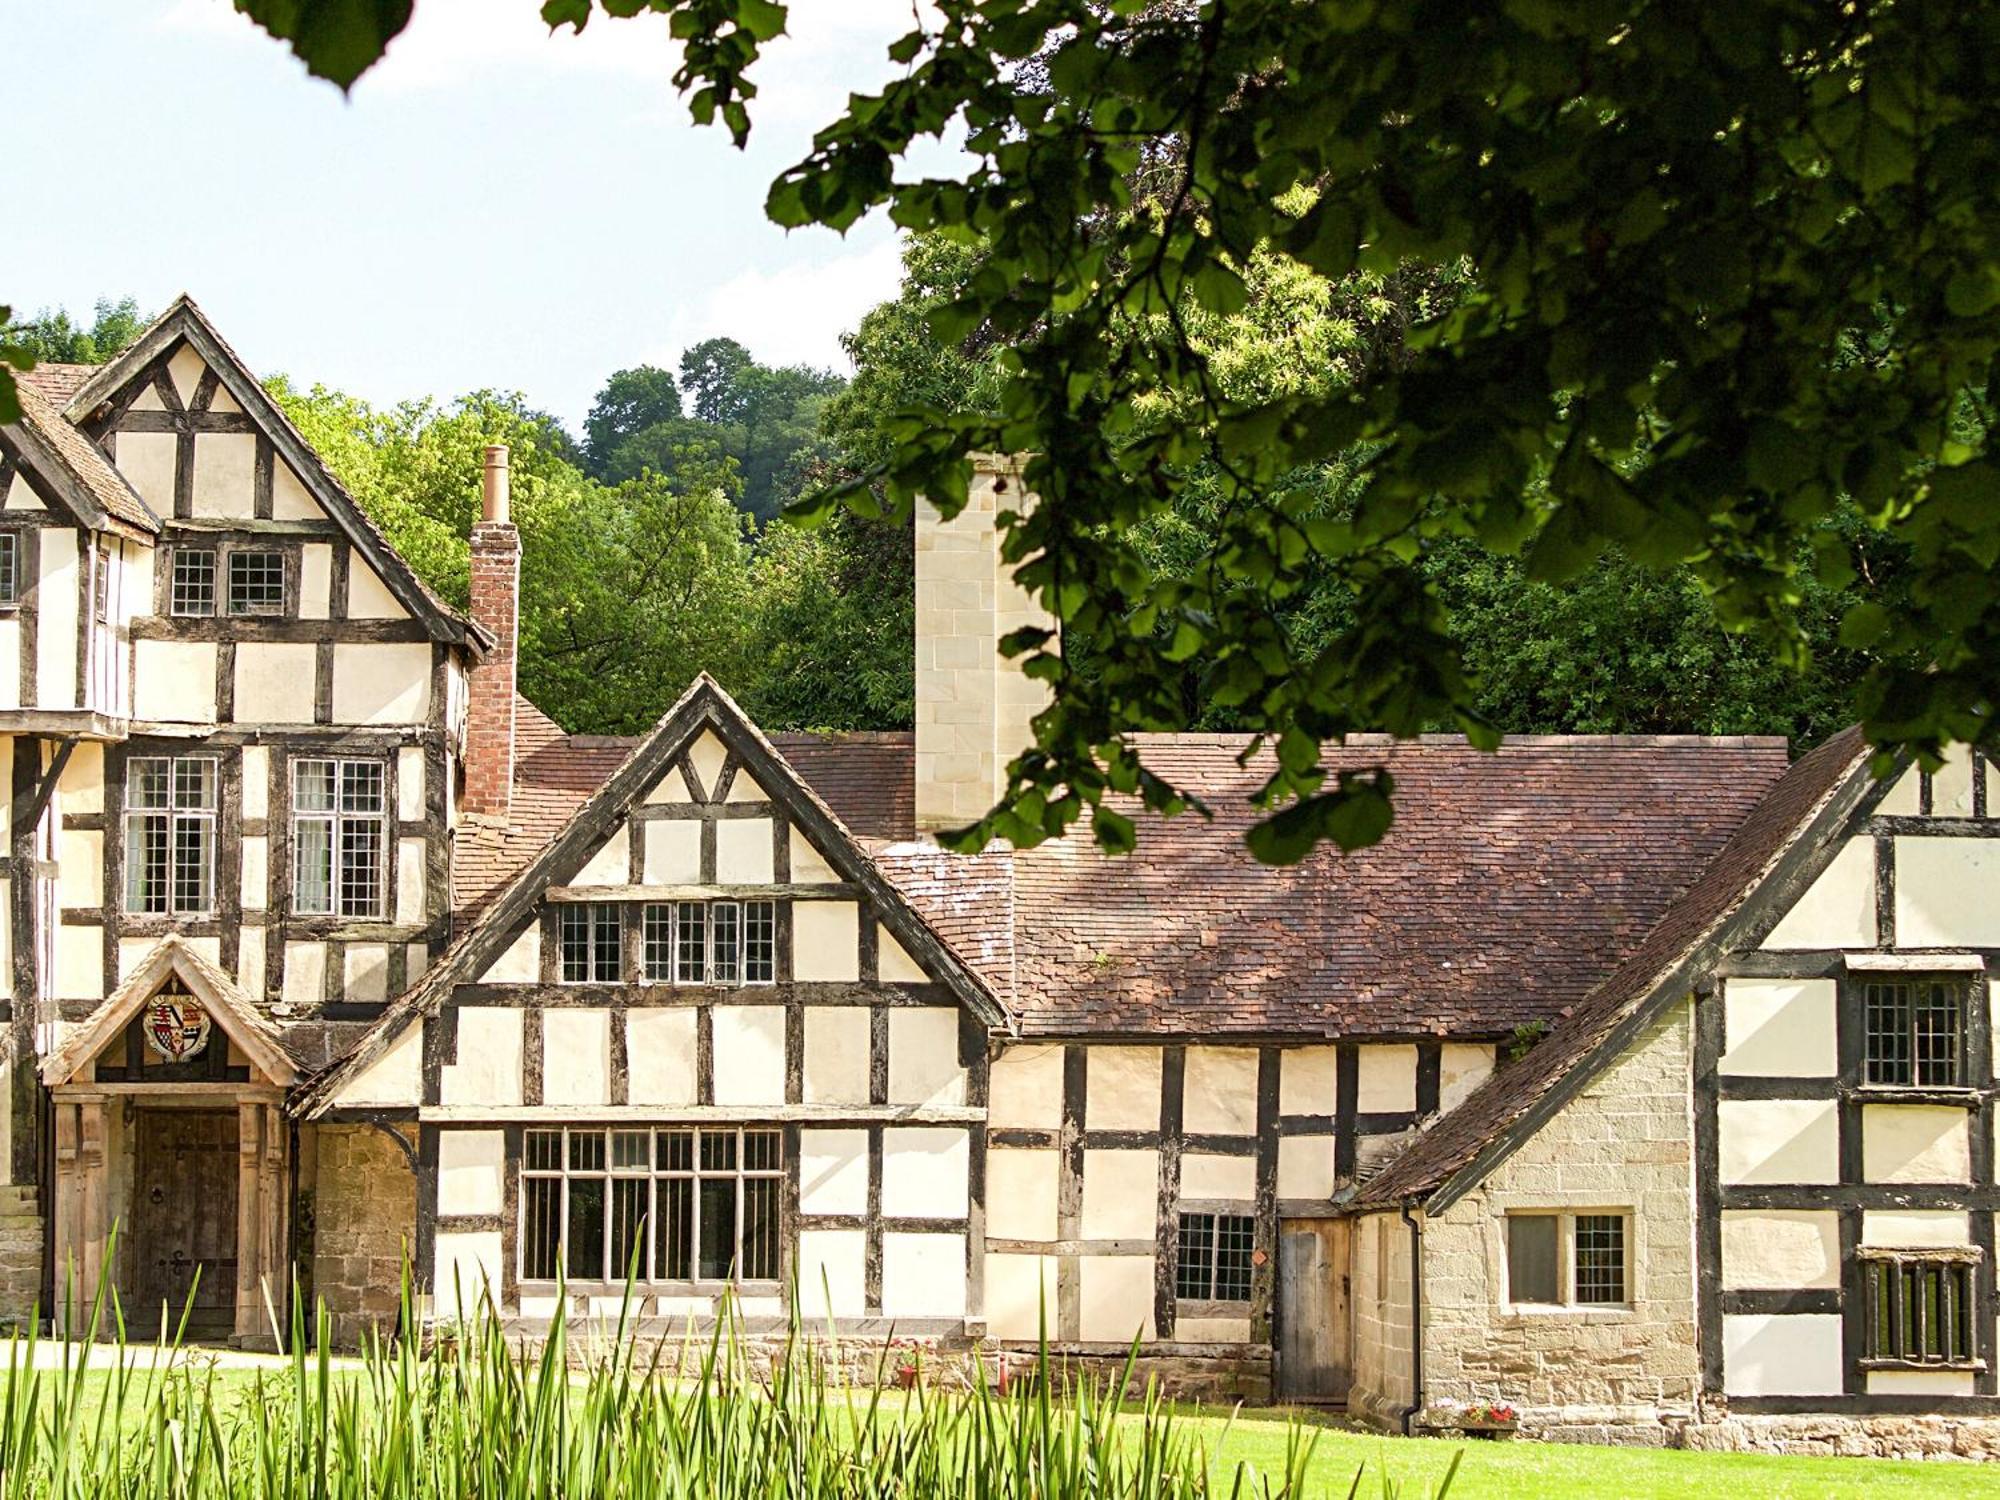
(709, 942)
(592, 939)
(192, 591)
(340, 811)
(1213, 1257)
(1914, 1032)
(1918, 1308)
(170, 807)
(1569, 1259)
(682, 1206)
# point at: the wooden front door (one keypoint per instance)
(184, 1221)
(1313, 1341)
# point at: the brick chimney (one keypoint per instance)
(973, 704)
(496, 604)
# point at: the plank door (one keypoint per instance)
(184, 1220)
(1313, 1344)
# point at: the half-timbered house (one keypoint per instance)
(328, 954)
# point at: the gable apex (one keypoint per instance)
(184, 327)
(705, 709)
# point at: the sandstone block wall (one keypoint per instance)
(364, 1215)
(1379, 1289)
(20, 1254)
(1626, 1144)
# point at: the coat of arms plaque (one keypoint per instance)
(176, 1027)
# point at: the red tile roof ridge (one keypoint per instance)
(1236, 740)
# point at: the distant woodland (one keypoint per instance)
(654, 546)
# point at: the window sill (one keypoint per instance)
(1935, 1367)
(1963, 1096)
(1569, 1312)
(640, 1289)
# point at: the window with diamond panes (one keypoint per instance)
(256, 583)
(1915, 1033)
(661, 1205)
(1918, 1309)
(592, 938)
(1213, 1260)
(710, 942)
(192, 591)
(170, 804)
(340, 812)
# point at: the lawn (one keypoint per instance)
(1505, 1470)
(1258, 1439)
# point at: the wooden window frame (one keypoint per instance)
(664, 927)
(176, 554)
(1882, 1285)
(230, 557)
(654, 1173)
(590, 914)
(343, 824)
(1198, 1256)
(1910, 1037)
(1567, 1289)
(10, 568)
(174, 812)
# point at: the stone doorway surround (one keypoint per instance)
(100, 1075)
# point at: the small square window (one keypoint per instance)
(1214, 1257)
(1567, 1260)
(592, 938)
(1915, 1033)
(193, 590)
(256, 583)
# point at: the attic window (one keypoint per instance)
(256, 583)
(710, 942)
(194, 581)
(10, 567)
(592, 941)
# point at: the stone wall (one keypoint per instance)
(1379, 1288)
(1624, 1144)
(20, 1254)
(363, 1215)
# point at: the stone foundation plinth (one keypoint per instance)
(364, 1215)
(1913, 1436)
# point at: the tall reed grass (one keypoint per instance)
(473, 1416)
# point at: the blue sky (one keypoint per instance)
(493, 206)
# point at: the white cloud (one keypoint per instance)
(792, 315)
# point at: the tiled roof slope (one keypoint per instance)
(58, 382)
(90, 468)
(865, 777)
(1509, 885)
(1716, 895)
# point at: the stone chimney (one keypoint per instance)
(973, 704)
(496, 604)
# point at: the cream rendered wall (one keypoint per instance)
(274, 682)
(381, 684)
(1788, 1354)
(1944, 892)
(1624, 1144)
(147, 461)
(174, 681)
(10, 660)
(315, 581)
(672, 851)
(923, 1057)
(660, 1055)
(1021, 1193)
(290, 500)
(576, 1056)
(1838, 909)
(743, 851)
(466, 1273)
(472, 1171)
(396, 1077)
(225, 475)
(1124, 1088)
(56, 602)
(836, 1054)
(1780, 1249)
(488, 1066)
(1779, 1141)
(1025, 1087)
(826, 941)
(610, 863)
(749, 1054)
(368, 597)
(1780, 1028)
(1463, 1066)
(1219, 1094)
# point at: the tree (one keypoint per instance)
(712, 373)
(1730, 269)
(627, 590)
(631, 402)
(54, 336)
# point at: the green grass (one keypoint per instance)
(476, 1421)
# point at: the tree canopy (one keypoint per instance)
(1719, 273)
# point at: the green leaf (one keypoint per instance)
(337, 40)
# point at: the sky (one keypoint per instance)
(492, 207)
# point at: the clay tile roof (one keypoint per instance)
(1509, 885)
(864, 776)
(45, 429)
(56, 381)
(1719, 891)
